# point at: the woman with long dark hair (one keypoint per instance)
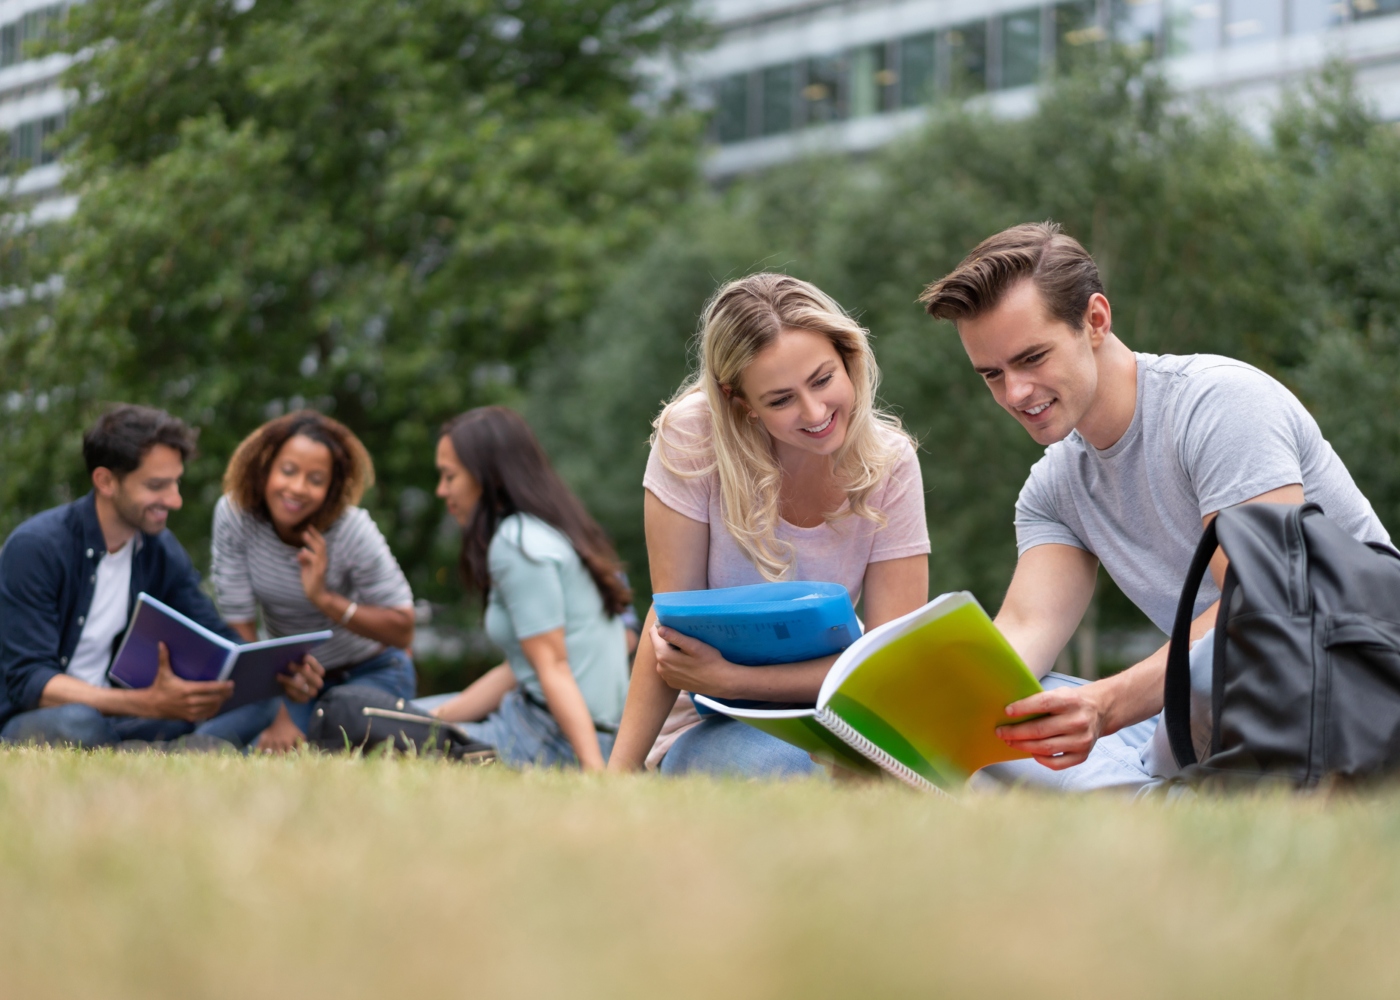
(553, 592)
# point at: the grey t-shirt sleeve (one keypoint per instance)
(376, 577)
(1239, 433)
(229, 570)
(1038, 519)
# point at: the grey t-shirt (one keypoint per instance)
(1208, 432)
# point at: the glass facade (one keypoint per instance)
(966, 46)
(1020, 48)
(32, 26)
(1011, 50)
(29, 144)
(1077, 32)
(917, 66)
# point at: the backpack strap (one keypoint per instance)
(1176, 691)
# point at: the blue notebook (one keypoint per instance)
(197, 654)
(764, 623)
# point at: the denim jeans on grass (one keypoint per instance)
(1135, 759)
(524, 734)
(79, 725)
(390, 671)
(724, 746)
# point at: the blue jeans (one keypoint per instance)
(79, 725)
(1134, 759)
(390, 671)
(724, 746)
(523, 734)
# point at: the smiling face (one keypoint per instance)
(798, 388)
(1041, 370)
(297, 483)
(145, 496)
(457, 487)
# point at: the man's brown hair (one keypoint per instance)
(1061, 268)
(352, 471)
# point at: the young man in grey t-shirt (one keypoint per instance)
(1142, 452)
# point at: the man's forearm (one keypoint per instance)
(1136, 693)
(64, 690)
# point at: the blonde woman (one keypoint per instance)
(771, 462)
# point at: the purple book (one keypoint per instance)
(197, 654)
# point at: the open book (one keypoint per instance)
(919, 697)
(197, 654)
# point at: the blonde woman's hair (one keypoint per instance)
(742, 319)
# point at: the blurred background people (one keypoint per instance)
(68, 581)
(290, 543)
(554, 597)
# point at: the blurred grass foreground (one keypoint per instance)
(147, 875)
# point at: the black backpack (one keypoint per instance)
(1307, 653)
(353, 717)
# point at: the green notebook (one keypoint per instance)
(919, 697)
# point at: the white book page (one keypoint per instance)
(878, 638)
(754, 713)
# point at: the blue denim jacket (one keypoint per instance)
(48, 571)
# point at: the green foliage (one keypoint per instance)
(1210, 239)
(378, 209)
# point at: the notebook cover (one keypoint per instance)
(257, 665)
(933, 697)
(196, 654)
(764, 623)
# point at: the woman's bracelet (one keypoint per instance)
(349, 613)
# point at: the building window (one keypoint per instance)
(1307, 17)
(30, 144)
(1373, 8)
(779, 99)
(1020, 48)
(1077, 33)
(1138, 24)
(824, 92)
(916, 69)
(1248, 21)
(732, 108)
(966, 46)
(872, 81)
(1193, 26)
(37, 24)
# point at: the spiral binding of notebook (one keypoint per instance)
(859, 743)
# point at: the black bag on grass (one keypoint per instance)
(1306, 682)
(360, 717)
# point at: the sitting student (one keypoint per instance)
(68, 581)
(771, 462)
(1143, 452)
(553, 592)
(290, 542)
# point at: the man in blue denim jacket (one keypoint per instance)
(68, 582)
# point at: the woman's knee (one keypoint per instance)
(724, 746)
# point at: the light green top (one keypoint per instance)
(539, 583)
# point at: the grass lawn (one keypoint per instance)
(148, 876)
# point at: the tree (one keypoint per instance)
(379, 209)
(1209, 239)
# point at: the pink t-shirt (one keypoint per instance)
(833, 552)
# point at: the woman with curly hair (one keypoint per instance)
(290, 543)
(772, 462)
